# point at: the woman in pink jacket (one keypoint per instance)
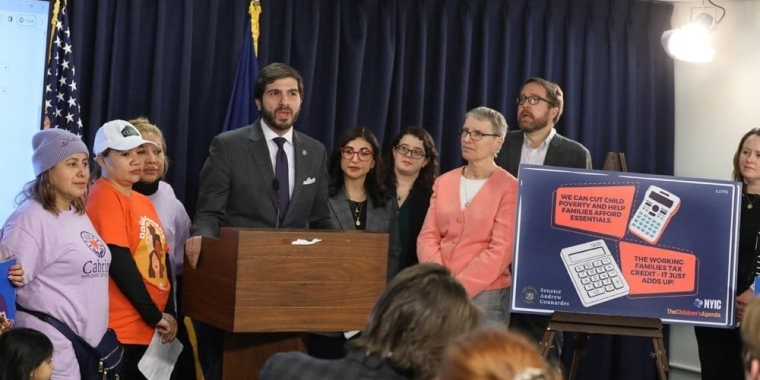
(470, 224)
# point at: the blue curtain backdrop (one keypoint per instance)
(389, 64)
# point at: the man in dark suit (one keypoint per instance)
(539, 108)
(266, 174)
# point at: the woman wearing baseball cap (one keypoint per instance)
(140, 304)
(64, 259)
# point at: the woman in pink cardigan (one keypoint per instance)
(470, 225)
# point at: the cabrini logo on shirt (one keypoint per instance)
(93, 243)
(97, 268)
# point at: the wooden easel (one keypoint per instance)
(615, 162)
(585, 324)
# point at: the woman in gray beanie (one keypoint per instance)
(64, 259)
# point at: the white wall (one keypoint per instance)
(716, 103)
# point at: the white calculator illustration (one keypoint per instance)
(654, 213)
(595, 274)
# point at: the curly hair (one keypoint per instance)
(429, 172)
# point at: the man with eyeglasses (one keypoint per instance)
(539, 108)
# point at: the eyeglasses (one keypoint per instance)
(363, 154)
(404, 149)
(475, 135)
(532, 100)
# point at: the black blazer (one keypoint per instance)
(419, 202)
(236, 184)
(562, 152)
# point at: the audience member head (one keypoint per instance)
(414, 153)
(60, 162)
(278, 94)
(748, 145)
(550, 102)
(750, 332)
(119, 149)
(421, 312)
(495, 354)
(357, 156)
(25, 354)
(156, 162)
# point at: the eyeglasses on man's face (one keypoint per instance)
(363, 154)
(404, 149)
(475, 135)
(532, 100)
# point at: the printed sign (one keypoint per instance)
(626, 244)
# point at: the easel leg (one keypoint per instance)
(546, 342)
(581, 342)
(661, 357)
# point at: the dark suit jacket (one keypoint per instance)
(298, 366)
(236, 184)
(562, 152)
(379, 219)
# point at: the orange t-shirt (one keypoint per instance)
(132, 222)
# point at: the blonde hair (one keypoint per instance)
(495, 354)
(145, 126)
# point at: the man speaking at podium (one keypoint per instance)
(267, 174)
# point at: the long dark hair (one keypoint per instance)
(427, 175)
(22, 351)
(373, 182)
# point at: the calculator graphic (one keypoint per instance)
(595, 274)
(654, 213)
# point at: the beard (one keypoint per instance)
(533, 124)
(271, 121)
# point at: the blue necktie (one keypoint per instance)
(281, 173)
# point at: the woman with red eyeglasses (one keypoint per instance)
(358, 200)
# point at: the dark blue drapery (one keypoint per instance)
(388, 64)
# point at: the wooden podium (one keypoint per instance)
(265, 287)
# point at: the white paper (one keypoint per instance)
(350, 334)
(158, 361)
(306, 242)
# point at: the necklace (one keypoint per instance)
(750, 201)
(401, 197)
(356, 209)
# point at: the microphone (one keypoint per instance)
(276, 188)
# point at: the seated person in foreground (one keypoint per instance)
(423, 310)
(750, 333)
(495, 354)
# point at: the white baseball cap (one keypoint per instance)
(118, 135)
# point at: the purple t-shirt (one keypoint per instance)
(65, 275)
(175, 222)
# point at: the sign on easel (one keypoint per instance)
(626, 244)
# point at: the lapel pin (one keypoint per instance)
(303, 152)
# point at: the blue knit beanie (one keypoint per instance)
(53, 145)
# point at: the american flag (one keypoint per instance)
(61, 94)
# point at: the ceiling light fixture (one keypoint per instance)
(692, 42)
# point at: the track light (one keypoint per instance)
(692, 42)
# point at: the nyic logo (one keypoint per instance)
(707, 304)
